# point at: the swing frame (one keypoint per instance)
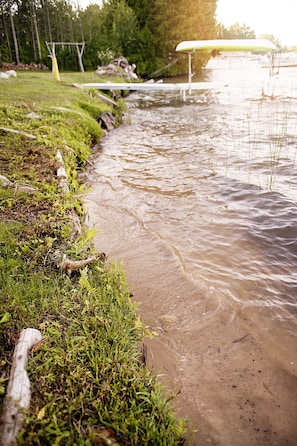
(80, 46)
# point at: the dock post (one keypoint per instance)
(190, 72)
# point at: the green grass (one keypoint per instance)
(88, 381)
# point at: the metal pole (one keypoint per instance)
(55, 64)
(190, 72)
(79, 55)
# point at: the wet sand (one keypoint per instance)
(233, 391)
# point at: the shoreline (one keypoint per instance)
(86, 374)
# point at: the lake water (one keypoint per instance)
(199, 201)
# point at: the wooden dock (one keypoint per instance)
(182, 87)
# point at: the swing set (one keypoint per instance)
(51, 46)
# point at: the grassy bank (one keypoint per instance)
(89, 385)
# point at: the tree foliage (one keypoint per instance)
(272, 38)
(165, 24)
(235, 31)
(146, 33)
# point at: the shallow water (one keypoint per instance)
(199, 201)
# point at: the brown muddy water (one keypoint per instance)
(198, 200)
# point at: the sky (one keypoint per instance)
(276, 17)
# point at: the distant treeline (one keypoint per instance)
(145, 32)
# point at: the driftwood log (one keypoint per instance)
(120, 67)
(17, 399)
(69, 265)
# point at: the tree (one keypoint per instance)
(45, 20)
(145, 32)
(272, 38)
(120, 28)
(144, 54)
(14, 34)
(164, 23)
(27, 30)
(5, 46)
(235, 31)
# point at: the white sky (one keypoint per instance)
(276, 17)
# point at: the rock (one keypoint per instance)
(4, 76)
(168, 322)
(107, 121)
(33, 115)
(11, 73)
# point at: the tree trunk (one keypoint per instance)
(32, 31)
(47, 22)
(36, 30)
(15, 40)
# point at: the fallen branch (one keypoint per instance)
(18, 132)
(5, 181)
(67, 265)
(106, 100)
(17, 187)
(17, 399)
